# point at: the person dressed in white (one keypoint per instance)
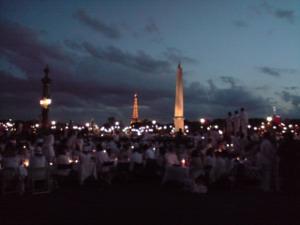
(150, 153)
(38, 165)
(171, 158)
(244, 121)
(136, 159)
(209, 165)
(102, 157)
(220, 166)
(104, 164)
(48, 149)
(87, 166)
(37, 160)
(173, 171)
(236, 122)
(266, 159)
(13, 168)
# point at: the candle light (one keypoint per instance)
(183, 163)
(26, 162)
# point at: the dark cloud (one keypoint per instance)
(292, 88)
(109, 31)
(139, 61)
(72, 45)
(292, 98)
(270, 71)
(22, 47)
(229, 80)
(279, 13)
(288, 15)
(174, 55)
(240, 24)
(214, 101)
(102, 83)
(276, 72)
(151, 27)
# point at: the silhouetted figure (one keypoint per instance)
(289, 160)
(229, 124)
(244, 121)
(236, 122)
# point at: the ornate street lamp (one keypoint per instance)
(45, 101)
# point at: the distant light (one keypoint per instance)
(117, 123)
(202, 120)
(87, 124)
(153, 122)
(53, 122)
(269, 119)
(26, 162)
(183, 163)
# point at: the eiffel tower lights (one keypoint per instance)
(135, 110)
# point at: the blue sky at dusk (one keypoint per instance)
(234, 53)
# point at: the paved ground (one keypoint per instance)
(148, 204)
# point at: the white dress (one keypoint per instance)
(87, 167)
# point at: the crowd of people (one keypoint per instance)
(198, 161)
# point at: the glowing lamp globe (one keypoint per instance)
(45, 102)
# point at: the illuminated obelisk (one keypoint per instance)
(135, 110)
(178, 112)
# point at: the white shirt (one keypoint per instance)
(102, 157)
(11, 162)
(150, 154)
(136, 157)
(171, 159)
(37, 161)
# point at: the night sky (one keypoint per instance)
(234, 53)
